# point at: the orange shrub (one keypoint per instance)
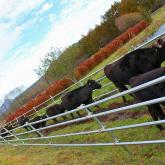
(124, 37)
(50, 90)
(77, 74)
(144, 24)
(58, 88)
(83, 69)
(89, 63)
(80, 71)
(38, 98)
(130, 33)
(98, 58)
(9, 118)
(105, 51)
(66, 82)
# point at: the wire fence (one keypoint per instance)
(18, 136)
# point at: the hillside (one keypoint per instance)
(141, 154)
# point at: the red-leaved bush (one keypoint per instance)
(111, 47)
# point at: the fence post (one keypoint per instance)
(52, 99)
(39, 133)
(11, 133)
(35, 110)
(6, 141)
(111, 134)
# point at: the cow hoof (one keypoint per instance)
(162, 128)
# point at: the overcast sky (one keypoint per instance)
(28, 28)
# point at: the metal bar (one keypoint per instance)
(105, 94)
(39, 133)
(154, 101)
(29, 124)
(101, 78)
(95, 119)
(102, 125)
(4, 140)
(140, 87)
(52, 99)
(97, 131)
(110, 83)
(8, 131)
(96, 144)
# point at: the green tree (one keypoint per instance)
(47, 60)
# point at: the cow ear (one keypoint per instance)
(156, 50)
(89, 82)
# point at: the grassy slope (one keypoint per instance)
(142, 154)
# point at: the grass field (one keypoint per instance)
(141, 154)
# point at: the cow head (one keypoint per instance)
(94, 84)
(161, 53)
(23, 120)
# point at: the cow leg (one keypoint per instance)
(72, 115)
(78, 113)
(95, 105)
(64, 117)
(27, 128)
(123, 97)
(54, 120)
(153, 111)
(122, 88)
(159, 113)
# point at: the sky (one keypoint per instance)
(29, 28)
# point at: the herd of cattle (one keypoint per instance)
(135, 68)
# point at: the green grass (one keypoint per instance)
(141, 154)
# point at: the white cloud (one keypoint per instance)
(76, 19)
(46, 7)
(7, 39)
(11, 9)
(51, 18)
(77, 22)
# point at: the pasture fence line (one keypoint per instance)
(97, 144)
(19, 141)
(135, 89)
(80, 81)
(154, 101)
(151, 123)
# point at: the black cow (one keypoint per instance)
(25, 120)
(161, 43)
(7, 127)
(137, 62)
(152, 92)
(55, 110)
(81, 95)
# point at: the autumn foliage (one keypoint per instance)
(87, 65)
(56, 87)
